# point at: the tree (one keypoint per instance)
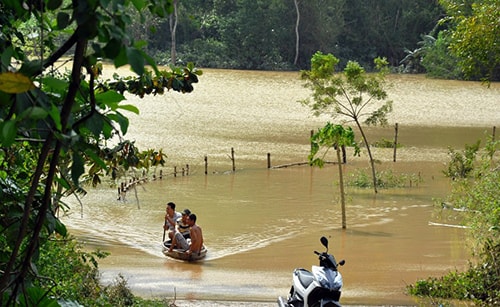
(475, 36)
(173, 29)
(297, 35)
(249, 32)
(333, 136)
(321, 23)
(384, 28)
(350, 94)
(54, 125)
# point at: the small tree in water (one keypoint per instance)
(351, 94)
(333, 136)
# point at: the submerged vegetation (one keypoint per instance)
(385, 179)
(477, 195)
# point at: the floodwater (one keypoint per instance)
(259, 223)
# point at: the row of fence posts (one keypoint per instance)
(124, 187)
(132, 182)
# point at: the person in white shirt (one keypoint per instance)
(171, 218)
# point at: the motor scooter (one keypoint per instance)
(319, 288)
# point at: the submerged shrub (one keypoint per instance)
(385, 179)
(461, 163)
(385, 143)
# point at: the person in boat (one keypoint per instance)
(171, 218)
(182, 225)
(195, 243)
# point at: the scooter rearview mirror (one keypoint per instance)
(324, 241)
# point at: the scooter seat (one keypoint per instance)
(305, 277)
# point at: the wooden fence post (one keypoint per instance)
(310, 137)
(268, 160)
(206, 165)
(395, 142)
(232, 158)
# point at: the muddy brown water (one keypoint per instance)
(258, 223)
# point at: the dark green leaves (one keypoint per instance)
(8, 131)
(77, 168)
(53, 4)
(109, 98)
(62, 20)
(328, 137)
(136, 60)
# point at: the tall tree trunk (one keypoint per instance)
(342, 192)
(372, 163)
(173, 30)
(297, 37)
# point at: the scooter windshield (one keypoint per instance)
(327, 278)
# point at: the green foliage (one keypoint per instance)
(385, 179)
(475, 37)
(207, 52)
(68, 272)
(438, 61)
(352, 95)
(359, 179)
(178, 79)
(349, 94)
(338, 137)
(249, 34)
(384, 28)
(461, 163)
(330, 136)
(55, 125)
(70, 275)
(455, 285)
(480, 192)
(478, 197)
(479, 283)
(385, 143)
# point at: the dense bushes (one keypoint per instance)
(70, 274)
(480, 283)
(478, 196)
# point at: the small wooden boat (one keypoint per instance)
(181, 254)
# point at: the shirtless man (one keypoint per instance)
(196, 243)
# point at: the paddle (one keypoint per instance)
(164, 231)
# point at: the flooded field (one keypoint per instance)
(259, 223)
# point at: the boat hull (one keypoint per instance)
(181, 254)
